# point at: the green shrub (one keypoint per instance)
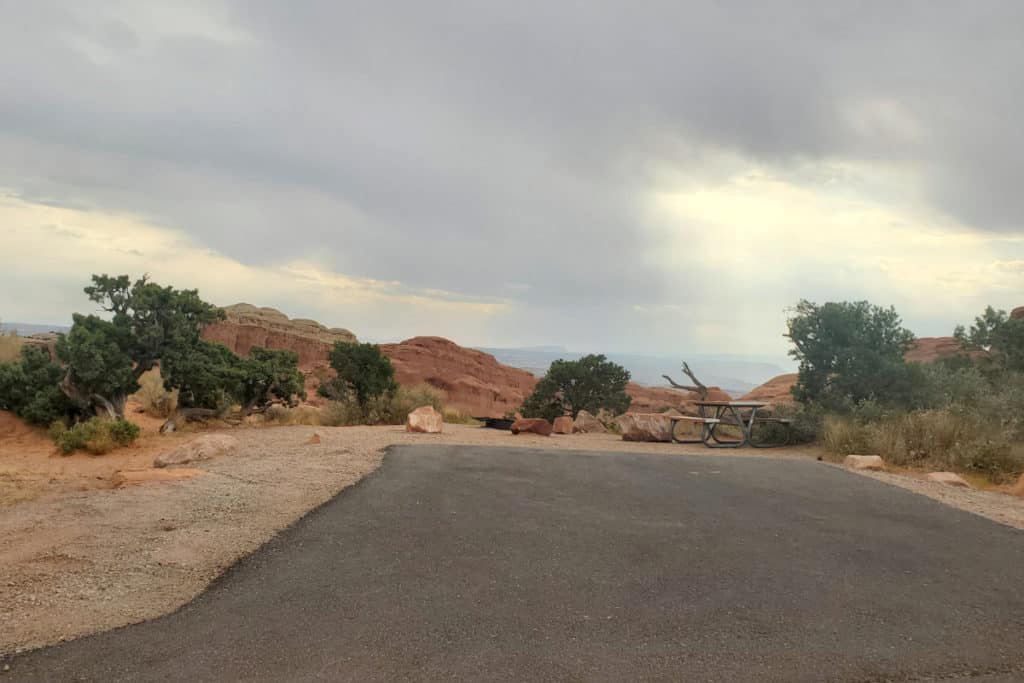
(363, 374)
(30, 388)
(591, 383)
(97, 436)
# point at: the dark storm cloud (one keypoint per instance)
(480, 147)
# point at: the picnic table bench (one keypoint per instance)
(741, 414)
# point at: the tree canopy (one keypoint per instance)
(997, 337)
(29, 387)
(363, 373)
(849, 352)
(105, 358)
(569, 386)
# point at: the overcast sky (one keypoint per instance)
(631, 176)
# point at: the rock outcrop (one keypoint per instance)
(425, 420)
(247, 326)
(776, 390)
(931, 349)
(470, 381)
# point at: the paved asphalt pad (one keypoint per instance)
(477, 564)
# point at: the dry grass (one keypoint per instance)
(10, 347)
(932, 439)
(152, 396)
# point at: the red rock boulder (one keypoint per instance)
(533, 425)
(425, 420)
(562, 425)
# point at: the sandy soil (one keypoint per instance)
(78, 556)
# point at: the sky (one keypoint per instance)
(646, 177)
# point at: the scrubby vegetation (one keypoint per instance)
(29, 387)
(387, 408)
(569, 386)
(856, 394)
(10, 346)
(97, 435)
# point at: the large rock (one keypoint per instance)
(470, 381)
(948, 479)
(201, 448)
(588, 424)
(931, 349)
(657, 399)
(864, 462)
(562, 425)
(534, 425)
(644, 427)
(425, 420)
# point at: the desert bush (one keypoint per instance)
(97, 436)
(591, 383)
(344, 413)
(387, 409)
(10, 347)
(153, 397)
(457, 417)
(364, 374)
(30, 388)
(937, 439)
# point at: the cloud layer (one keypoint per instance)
(631, 176)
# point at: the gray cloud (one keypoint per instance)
(476, 147)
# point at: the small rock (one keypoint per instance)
(562, 425)
(425, 420)
(313, 440)
(864, 462)
(201, 448)
(948, 478)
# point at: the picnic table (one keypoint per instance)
(713, 414)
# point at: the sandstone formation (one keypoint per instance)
(931, 349)
(425, 420)
(864, 462)
(776, 390)
(534, 425)
(562, 425)
(644, 427)
(948, 479)
(470, 381)
(201, 448)
(657, 399)
(247, 326)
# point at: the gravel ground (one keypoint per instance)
(83, 562)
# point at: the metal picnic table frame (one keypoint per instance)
(742, 414)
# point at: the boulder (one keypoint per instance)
(644, 427)
(864, 462)
(425, 420)
(948, 479)
(562, 425)
(587, 423)
(202, 448)
(534, 425)
(145, 476)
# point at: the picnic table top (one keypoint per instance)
(734, 404)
